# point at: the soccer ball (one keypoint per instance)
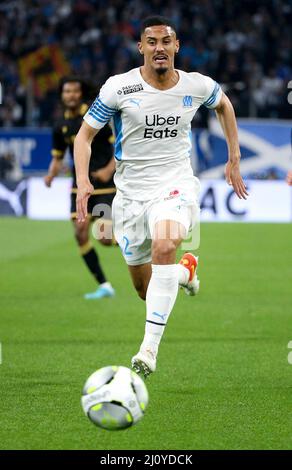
(114, 397)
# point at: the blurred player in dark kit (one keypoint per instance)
(102, 167)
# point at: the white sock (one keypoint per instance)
(183, 274)
(160, 298)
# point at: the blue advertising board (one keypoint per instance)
(265, 148)
(31, 147)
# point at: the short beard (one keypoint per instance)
(161, 70)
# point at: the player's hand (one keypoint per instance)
(85, 189)
(48, 180)
(233, 178)
(289, 178)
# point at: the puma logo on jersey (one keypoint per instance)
(135, 102)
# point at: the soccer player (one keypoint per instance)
(152, 108)
(289, 178)
(100, 174)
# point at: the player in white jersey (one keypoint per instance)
(157, 194)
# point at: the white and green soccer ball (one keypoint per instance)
(114, 397)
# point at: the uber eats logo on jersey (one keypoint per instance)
(155, 126)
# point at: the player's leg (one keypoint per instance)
(129, 224)
(91, 260)
(161, 293)
(89, 255)
(102, 231)
(186, 271)
(141, 275)
(166, 274)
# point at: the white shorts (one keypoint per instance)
(134, 221)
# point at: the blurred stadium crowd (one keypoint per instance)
(245, 45)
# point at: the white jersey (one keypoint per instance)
(152, 128)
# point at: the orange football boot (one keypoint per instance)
(190, 262)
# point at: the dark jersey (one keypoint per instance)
(64, 134)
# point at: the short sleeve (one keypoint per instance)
(104, 106)
(213, 93)
(59, 144)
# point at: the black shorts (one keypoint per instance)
(99, 204)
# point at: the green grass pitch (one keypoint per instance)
(223, 379)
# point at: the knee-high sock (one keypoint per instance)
(92, 262)
(160, 298)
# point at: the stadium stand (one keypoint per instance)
(246, 46)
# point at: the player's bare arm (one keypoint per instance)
(226, 116)
(82, 153)
(54, 169)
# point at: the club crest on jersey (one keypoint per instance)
(187, 101)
